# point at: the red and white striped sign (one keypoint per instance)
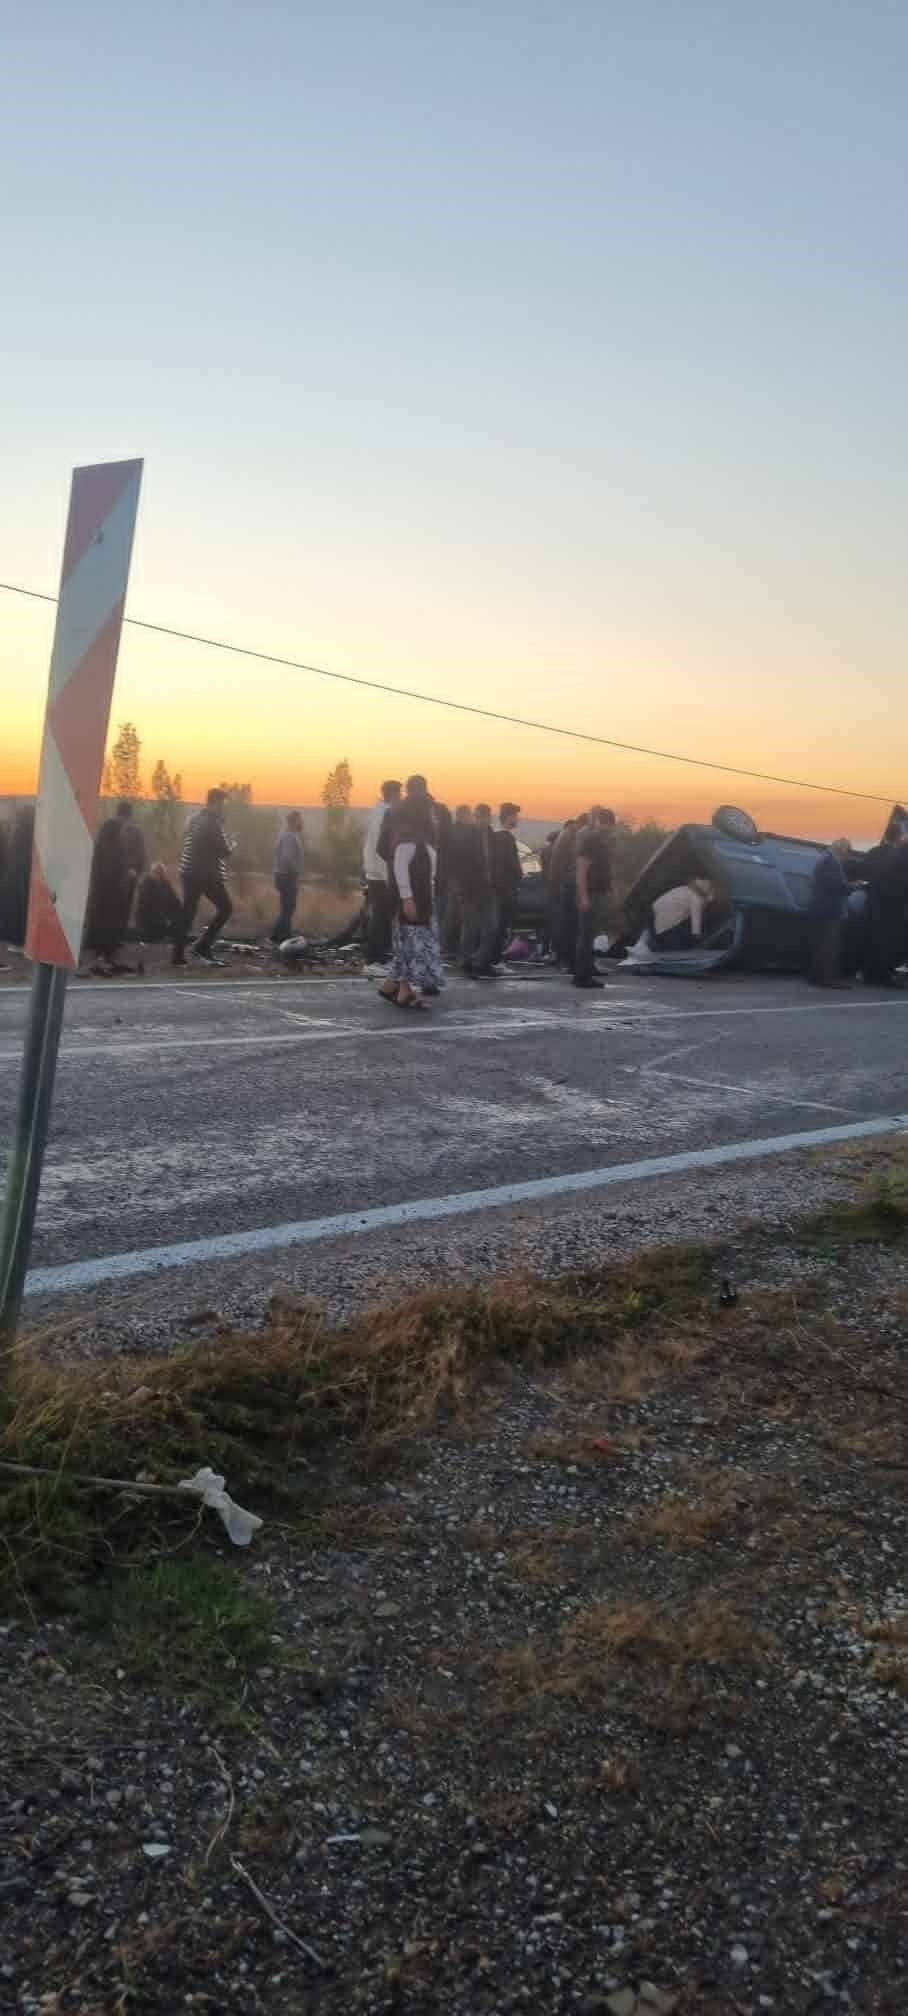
(103, 503)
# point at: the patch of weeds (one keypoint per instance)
(709, 1633)
(571, 1450)
(605, 1646)
(543, 1562)
(189, 1622)
(689, 1522)
(888, 1634)
(620, 1774)
(264, 1409)
(888, 1670)
(888, 1630)
(873, 1442)
(880, 1211)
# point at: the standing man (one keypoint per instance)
(459, 857)
(593, 873)
(826, 913)
(480, 909)
(507, 875)
(117, 863)
(562, 863)
(204, 857)
(288, 874)
(379, 903)
(886, 869)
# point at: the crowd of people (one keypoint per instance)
(121, 879)
(874, 942)
(440, 888)
(444, 890)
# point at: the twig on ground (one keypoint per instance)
(270, 1912)
(103, 1483)
(224, 1827)
(21, 1585)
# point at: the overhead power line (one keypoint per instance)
(468, 707)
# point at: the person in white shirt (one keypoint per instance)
(678, 916)
(410, 842)
(379, 893)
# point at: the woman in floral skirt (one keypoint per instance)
(416, 968)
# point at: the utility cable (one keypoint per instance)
(468, 707)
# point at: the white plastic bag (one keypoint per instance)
(210, 1488)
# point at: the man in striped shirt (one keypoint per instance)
(205, 853)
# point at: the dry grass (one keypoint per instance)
(871, 1442)
(607, 1646)
(544, 1561)
(636, 1365)
(620, 1774)
(887, 1670)
(587, 1447)
(708, 1633)
(690, 1522)
(888, 1630)
(272, 1410)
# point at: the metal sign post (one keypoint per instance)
(99, 532)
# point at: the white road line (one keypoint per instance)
(750, 1091)
(81, 1274)
(317, 1022)
(324, 1031)
(289, 982)
(666, 1056)
(330, 1032)
(814, 1008)
(590, 1023)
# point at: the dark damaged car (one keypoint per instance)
(758, 918)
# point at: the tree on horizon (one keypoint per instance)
(337, 789)
(161, 821)
(123, 769)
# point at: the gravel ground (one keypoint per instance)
(594, 1702)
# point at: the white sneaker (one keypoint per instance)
(376, 971)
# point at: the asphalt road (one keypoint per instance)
(209, 1106)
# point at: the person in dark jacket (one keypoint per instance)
(826, 915)
(159, 911)
(444, 834)
(507, 875)
(459, 855)
(593, 880)
(563, 890)
(479, 936)
(546, 851)
(288, 874)
(886, 869)
(118, 859)
(206, 851)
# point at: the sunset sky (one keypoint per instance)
(550, 356)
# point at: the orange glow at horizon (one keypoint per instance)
(214, 719)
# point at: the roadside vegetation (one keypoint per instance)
(567, 1670)
(274, 1411)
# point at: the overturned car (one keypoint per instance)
(757, 910)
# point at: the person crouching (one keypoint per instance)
(159, 912)
(678, 916)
